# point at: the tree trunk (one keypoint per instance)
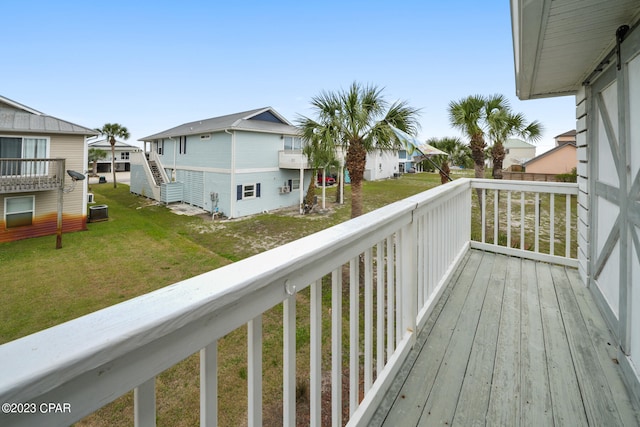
(311, 192)
(356, 162)
(477, 146)
(112, 141)
(498, 157)
(444, 172)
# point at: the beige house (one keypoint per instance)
(36, 151)
(562, 159)
(517, 152)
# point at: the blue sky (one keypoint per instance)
(152, 65)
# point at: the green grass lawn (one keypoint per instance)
(143, 247)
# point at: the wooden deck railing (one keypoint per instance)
(407, 251)
(25, 175)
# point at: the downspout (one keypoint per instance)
(232, 200)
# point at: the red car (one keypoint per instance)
(328, 180)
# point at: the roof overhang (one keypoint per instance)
(558, 43)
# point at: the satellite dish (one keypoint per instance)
(76, 176)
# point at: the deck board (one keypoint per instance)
(512, 342)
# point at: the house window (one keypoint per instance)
(402, 154)
(248, 191)
(183, 145)
(295, 184)
(19, 211)
(292, 143)
(160, 147)
(124, 156)
(24, 148)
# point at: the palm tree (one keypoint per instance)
(358, 120)
(467, 115)
(94, 155)
(320, 157)
(459, 152)
(503, 123)
(113, 131)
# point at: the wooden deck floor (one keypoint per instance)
(512, 342)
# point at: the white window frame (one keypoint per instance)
(32, 210)
(295, 145)
(124, 155)
(295, 184)
(41, 168)
(249, 193)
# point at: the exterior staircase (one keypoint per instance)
(155, 171)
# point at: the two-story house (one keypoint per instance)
(37, 196)
(234, 165)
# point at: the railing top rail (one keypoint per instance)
(530, 186)
(91, 341)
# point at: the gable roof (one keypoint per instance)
(550, 152)
(104, 143)
(259, 120)
(517, 143)
(568, 133)
(15, 117)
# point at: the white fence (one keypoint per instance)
(407, 251)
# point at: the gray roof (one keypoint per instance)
(245, 120)
(104, 143)
(15, 117)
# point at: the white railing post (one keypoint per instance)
(409, 279)
(315, 376)
(289, 362)
(483, 215)
(336, 348)
(552, 221)
(209, 385)
(368, 319)
(144, 404)
(254, 371)
(509, 218)
(354, 334)
(522, 228)
(567, 250)
(379, 308)
(391, 300)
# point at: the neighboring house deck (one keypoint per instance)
(511, 342)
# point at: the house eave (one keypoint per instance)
(557, 45)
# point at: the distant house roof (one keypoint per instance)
(517, 143)
(15, 117)
(548, 153)
(104, 144)
(259, 120)
(568, 133)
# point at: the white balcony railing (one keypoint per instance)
(407, 249)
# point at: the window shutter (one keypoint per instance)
(258, 190)
(239, 192)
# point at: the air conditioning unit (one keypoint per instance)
(285, 189)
